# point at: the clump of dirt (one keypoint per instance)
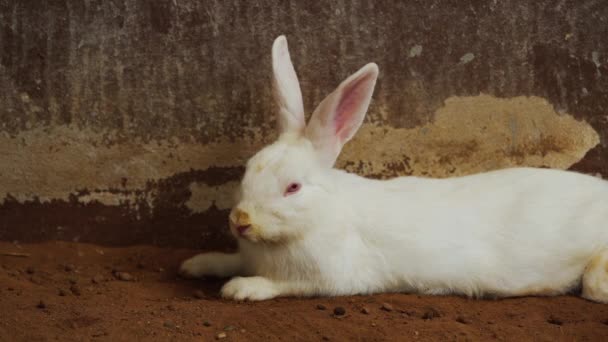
(42, 299)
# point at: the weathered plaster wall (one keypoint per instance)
(129, 121)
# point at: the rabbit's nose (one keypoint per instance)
(240, 218)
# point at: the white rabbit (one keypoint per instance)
(307, 229)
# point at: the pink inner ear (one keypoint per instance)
(350, 101)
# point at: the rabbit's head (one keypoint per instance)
(287, 182)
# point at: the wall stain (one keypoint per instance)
(204, 196)
(473, 134)
(85, 159)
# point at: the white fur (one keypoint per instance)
(512, 232)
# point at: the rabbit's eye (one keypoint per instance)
(292, 188)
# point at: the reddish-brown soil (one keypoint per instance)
(83, 299)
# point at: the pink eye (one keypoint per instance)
(292, 188)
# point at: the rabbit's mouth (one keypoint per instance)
(247, 231)
(243, 229)
(255, 234)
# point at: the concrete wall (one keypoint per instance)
(129, 121)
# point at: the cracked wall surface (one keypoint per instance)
(129, 121)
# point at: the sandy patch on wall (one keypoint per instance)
(473, 134)
(204, 196)
(52, 163)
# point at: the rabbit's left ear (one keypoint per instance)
(340, 114)
(286, 89)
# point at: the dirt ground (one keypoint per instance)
(78, 292)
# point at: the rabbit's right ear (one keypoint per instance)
(286, 89)
(340, 114)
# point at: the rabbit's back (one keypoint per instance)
(496, 232)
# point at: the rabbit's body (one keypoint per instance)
(306, 229)
(501, 233)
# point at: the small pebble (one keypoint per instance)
(554, 320)
(62, 293)
(325, 338)
(409, 312)
(221, 335)
(207, 323)
(30, 270)
(73, 281)
(365, 311)
(141, 265)
(169, 325)
(339, 311)
(124, 276)
(69, 268)
(199, 294)
(321, 307)
(431, 313)
(41, 305)
(10, 289)
(387, 307)
(462, 320)
(170, 307)
(229, 328)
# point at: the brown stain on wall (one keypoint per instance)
(204, 196)
(471, 135)
(83, 159)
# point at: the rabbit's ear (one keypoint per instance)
(340, 114)
(286, 89)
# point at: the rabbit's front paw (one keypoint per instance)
(249, 288)
(194, 267)
(211, 264)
